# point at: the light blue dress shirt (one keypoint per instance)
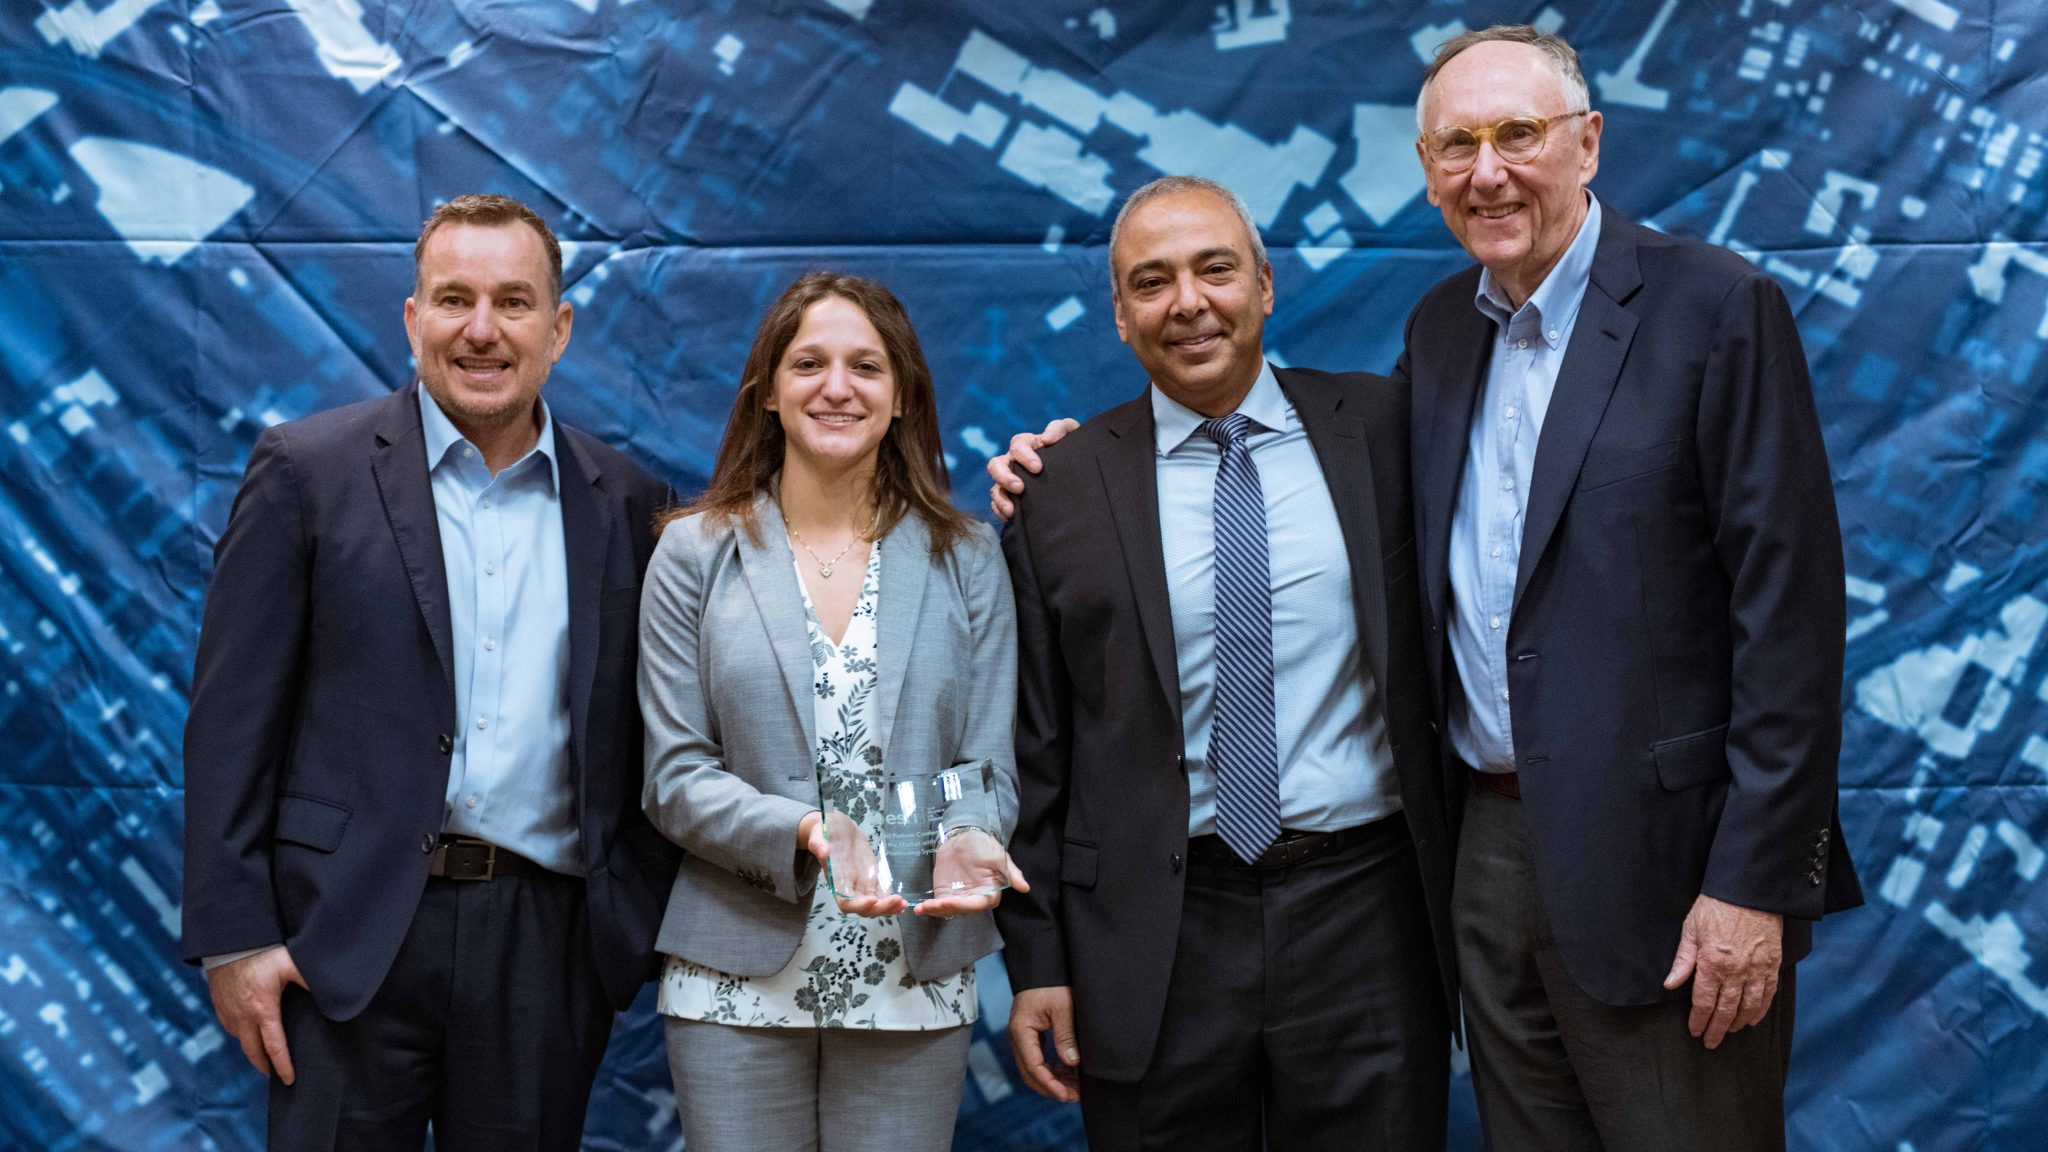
(508, 605)
(1336, 769)
(1493, 491)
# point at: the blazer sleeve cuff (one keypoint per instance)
(773, 862)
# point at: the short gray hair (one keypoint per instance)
(1571, 81)
(1171, 185)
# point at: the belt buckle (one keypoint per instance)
(456, 866)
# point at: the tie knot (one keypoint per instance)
(1228, 431)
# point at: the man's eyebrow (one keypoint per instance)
(1221, 251)
(1144, 266)
(501, 288)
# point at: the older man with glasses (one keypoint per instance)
(1632, 574)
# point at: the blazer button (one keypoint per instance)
(1173, 859)
(427, 844)
(446, 743)
(1813, 877)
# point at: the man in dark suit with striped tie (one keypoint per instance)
(1230, 800)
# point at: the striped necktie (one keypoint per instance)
(1242, 748)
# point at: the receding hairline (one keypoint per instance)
(1555, 51)
(490, 209)
(541, 287)
(1255, 251)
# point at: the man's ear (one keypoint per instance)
(1589, 142)
(565, 320)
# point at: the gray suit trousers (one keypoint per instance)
(1558, 1071)
(816, 1089)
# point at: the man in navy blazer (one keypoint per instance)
(1632, 573)
(416, 867)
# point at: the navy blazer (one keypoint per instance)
(1102, 828)
(1675, 652)
(323, 703)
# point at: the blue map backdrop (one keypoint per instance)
(207, 209)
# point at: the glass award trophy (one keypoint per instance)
(914, 835)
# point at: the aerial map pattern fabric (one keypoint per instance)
(207, 209)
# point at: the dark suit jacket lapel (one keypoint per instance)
(399, 463)
(771, 578)
(1448, 387)
(1131, 490)
(1592, 364)
(1338, 438)
(906, 562)
(586, 534)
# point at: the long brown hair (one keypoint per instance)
(910, 469)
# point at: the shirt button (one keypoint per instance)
(487, 501)
(1495, 622)
(1504, 695)
(1511, 411)
(1496, 551)
(1553, 333)
(1507, 485)
(481, 722)
(467, 452)
(490, 569)
(1521, 343)
(469, 803)
(490, 645)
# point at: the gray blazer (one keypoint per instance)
(725, 687)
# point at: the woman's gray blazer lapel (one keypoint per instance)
(906, 562)
(770, 571)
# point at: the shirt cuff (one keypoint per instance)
(212, 962)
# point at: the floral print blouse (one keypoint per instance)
(848, 971)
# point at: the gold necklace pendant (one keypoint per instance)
(825, 566)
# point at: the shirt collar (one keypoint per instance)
(1265, 405)
(1556, 300)
(442, 435)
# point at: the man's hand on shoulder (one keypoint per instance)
(247, 996)
(1033, 1013)
(1023, 453)
(1732, 955)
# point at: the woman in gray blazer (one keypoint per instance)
(821, 611)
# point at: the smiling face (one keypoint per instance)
(483, 323)
(835, 389)
(1516, 219)
(1192, 299)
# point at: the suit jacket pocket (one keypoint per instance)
(315, 823)
(1604, 468)
(1077, 864)
(1693, 759)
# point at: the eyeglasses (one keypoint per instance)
(1517, 139)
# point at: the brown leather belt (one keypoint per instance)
(1506, 784)
(1292, 847)
(465, 858)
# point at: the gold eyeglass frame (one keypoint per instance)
(1484, 135)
